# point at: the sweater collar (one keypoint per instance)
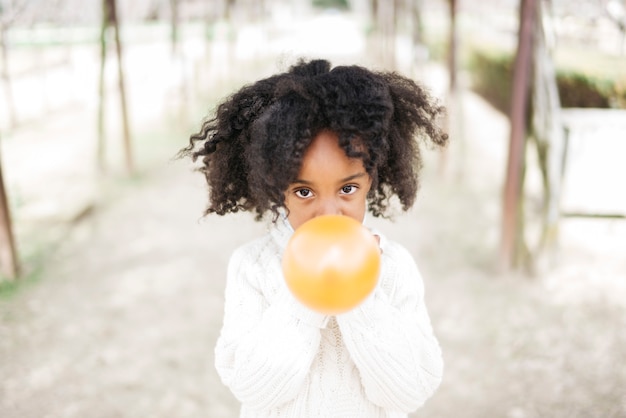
(281, 231)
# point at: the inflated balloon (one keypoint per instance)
(331, 263)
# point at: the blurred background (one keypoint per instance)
(111, 285)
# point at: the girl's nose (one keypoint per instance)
(329, 207)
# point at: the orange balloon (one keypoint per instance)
(331, 263)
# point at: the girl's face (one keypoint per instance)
(329, 183)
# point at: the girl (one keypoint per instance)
(297, 145)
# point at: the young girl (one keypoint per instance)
(297, 145)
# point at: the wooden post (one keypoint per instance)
(452, 115)
(101, 149)
(417, 25)
(110, 19)
(5, 74)
(128, 153)
(518, 119)
(453, 46)
(174, 34)
(386, 27)
(547, 130)
(9, 267)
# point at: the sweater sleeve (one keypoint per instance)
(390, 337)
(265, 349)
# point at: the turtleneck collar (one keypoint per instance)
(281, 231)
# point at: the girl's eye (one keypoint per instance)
(304, 193)
(349, 189)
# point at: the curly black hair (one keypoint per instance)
(252, 148)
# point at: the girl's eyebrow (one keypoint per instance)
(344, 180)
(353, 177)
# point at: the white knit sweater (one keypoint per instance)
(281, 359)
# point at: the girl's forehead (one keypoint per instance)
(324, 155)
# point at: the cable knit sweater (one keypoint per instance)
(281, 359)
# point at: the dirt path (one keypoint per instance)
(123, 320)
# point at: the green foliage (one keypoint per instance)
(578, 90)
(437, 48)
(331, 4)
(492, 75)
(209, 32)
(32, 268)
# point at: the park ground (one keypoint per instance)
(122, 297)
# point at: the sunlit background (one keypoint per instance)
(111, 291)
